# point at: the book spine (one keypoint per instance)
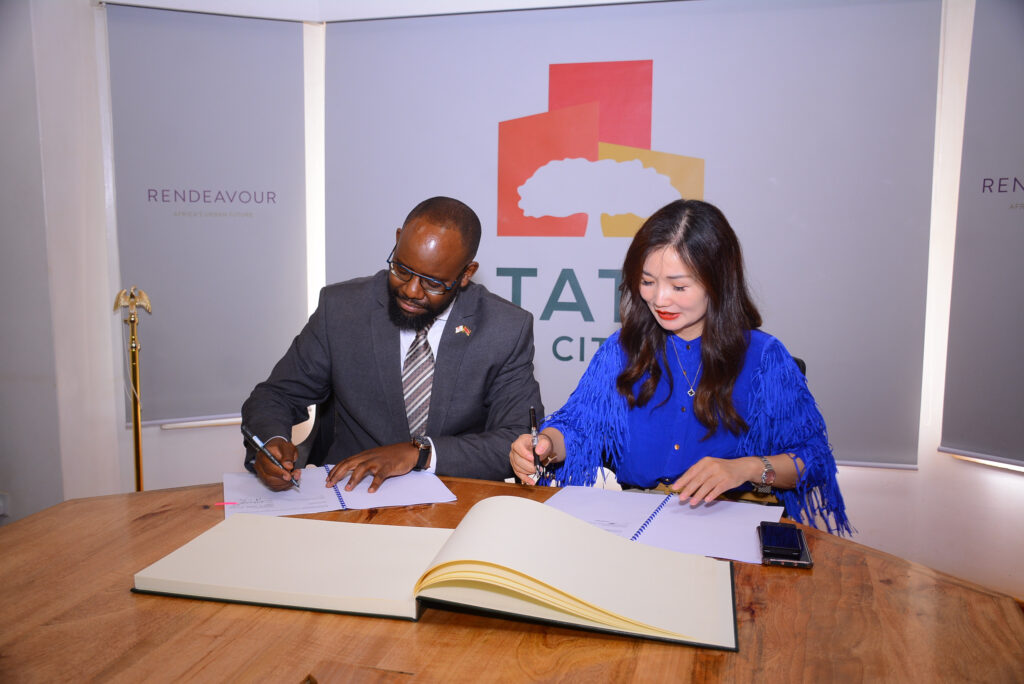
(337, 492)
(651, 518)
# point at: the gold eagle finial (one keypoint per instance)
(131, 299)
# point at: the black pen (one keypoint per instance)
(258, 443)
(538, 469)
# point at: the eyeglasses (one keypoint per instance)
(430, 285)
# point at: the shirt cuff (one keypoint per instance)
(433, 457)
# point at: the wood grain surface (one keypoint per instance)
(66, 614)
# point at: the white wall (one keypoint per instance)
(30, 467)
(79, 243)
(958, 517)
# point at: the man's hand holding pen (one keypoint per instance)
(275, 462)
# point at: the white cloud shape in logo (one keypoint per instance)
(564, 187)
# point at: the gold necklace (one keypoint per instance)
(690, 392)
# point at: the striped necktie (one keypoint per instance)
(417, 377)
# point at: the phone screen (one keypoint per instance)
(779, 539)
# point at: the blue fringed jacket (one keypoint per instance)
(658, 442)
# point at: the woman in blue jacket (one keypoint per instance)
(690, 394)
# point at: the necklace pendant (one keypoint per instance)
(690, 392)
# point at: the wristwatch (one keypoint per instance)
(423, 444)
(767, 478)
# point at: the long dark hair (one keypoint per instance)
(705, 242)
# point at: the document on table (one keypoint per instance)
(244, 493)
(721, 529)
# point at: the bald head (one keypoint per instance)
(452, 214)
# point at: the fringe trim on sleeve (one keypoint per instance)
(784, 419)
(593, 420)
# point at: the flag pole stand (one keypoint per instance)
(132, 300)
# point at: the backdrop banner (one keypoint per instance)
(984, 400)
(209, 163)
(811, 125)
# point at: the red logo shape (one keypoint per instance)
(588, 103)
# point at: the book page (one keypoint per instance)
(721, 529)
(415, 487)
(618, 512)
(244, 493)
(317, 564)
(550, 555)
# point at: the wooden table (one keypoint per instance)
(66, 614)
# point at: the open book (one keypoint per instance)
(509, 555)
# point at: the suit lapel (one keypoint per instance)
(384, 337)
(454, 342)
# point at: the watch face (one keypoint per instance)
(768, 476)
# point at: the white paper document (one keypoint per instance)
(244, 493)
(721, 529)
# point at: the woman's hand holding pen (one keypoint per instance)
(273, 477)
(521, 455)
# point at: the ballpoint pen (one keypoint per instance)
(260, 446)
(538, 468)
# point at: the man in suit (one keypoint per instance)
(353, 349)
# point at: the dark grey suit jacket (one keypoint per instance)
(349, 350)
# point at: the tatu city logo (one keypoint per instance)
(583, 167)
(588, 159)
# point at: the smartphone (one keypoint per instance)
(783, 544)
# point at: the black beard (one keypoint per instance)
(404, 321)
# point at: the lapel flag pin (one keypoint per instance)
(463, 329)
